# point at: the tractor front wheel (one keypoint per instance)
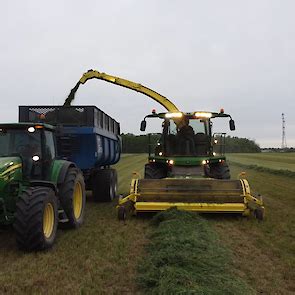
(36, 219)
(220, 171)
(153, 171)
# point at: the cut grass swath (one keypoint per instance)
(282, 172)
(184, 256)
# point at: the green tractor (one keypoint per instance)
(37, 190)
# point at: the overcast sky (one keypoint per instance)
(202, 55)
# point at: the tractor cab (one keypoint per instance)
(30, 144)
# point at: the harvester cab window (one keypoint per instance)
(188, 137)
(198, 126)
(172, 127)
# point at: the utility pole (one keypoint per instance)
(284, 141)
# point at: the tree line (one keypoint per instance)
(140, 144)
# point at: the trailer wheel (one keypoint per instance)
(105, 185)
(152, 171)
(122, 213)
(73, 197)
(36, 219)
(220, 171)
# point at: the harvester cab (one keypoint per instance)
(37, 190)
(187, 146)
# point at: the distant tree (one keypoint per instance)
(140, 144)
(241, 145)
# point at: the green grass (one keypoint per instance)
(102, 257)
(99, 258)
(264, 252)
(274, 161)
(185, 256)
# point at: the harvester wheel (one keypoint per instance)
(73, 197)
(152, 171)
(105, 185)
(36, 219)
(259, 213)
(220, 171)
(122, 213)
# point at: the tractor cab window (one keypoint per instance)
(25, 143)
(49, 145)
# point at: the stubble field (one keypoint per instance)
(102, 257)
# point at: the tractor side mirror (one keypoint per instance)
(232, 125)
(143, 125)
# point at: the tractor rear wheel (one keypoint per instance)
(152, 171)
(73, 197)
(220, 171)
(36, 219)
(105, 185)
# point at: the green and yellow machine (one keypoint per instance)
(37, 190)
(188, 169)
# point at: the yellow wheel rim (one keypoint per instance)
(48, 220)
(78, 200)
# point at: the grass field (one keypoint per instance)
(284, 161)
(102, 257)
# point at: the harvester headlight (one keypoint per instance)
(214, 154)
(215, 141)
(31, 129)
(204, 162)
(170, 162)
(203, 115)
(160, 154)
(173, 115)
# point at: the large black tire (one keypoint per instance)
(73, 197)
(220, 171)
(36, 219)
(153, 171)
(105, 185)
